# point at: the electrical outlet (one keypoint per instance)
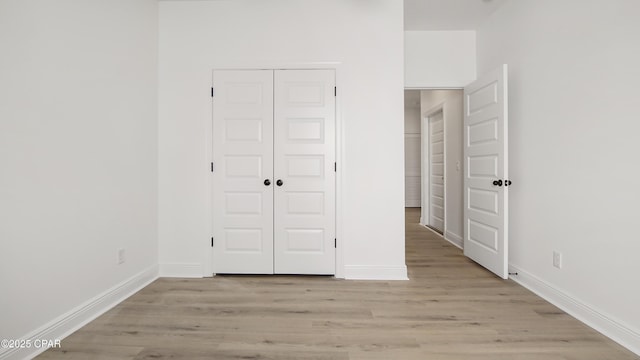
(557, 259)
(120, 256)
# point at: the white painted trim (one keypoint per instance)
(341, 170)
(616, 331)
(454, 239)
(207, 269)
(425, 142)
(374, 272)
(433, 87)
(67, 323)
(426, 226)
(184, 270)
(425, 152)
(435, 109)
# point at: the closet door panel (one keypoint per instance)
(304, 156)
(243, 165)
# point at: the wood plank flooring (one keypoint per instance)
(450, 309)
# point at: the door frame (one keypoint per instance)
(425, 144)
(340, 167)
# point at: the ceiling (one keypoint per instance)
(431, 15)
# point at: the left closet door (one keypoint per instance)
(243, 181)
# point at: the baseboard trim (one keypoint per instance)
(367, 272)
(181, 270)
(65, 324)
(454, 239)
(609, 327)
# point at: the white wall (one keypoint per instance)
(573, 148)
(366, 38)
(78, 154)
(452, 110)
(439, 59)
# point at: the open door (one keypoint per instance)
(486, 176)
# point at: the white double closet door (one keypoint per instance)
(273, 173)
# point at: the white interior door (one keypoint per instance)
(485, 164)
(243, 171)
(436, 171)
(304, 156)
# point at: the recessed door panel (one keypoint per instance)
(304, 241)
(243, 166)
(483, 132)
(301, 93)
(304, 155)
(244, 93)
(243, 130)
(483, 166)
(306, 166)
(483, 235)
(305, 203)
(243, 203)
(483, 200)
(481, 97)
(305, 131)
(243, 240)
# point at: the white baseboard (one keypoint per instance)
(185, 270)
(76, 318)
(455, 239)
(620, 333)
(365, 272)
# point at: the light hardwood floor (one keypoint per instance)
(450, 309)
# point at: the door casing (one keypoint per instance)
(426, 163)
(430, 120)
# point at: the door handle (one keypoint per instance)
(507, 182)
(497, 182)
(279, 182)
(267, 182)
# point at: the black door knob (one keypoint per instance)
(267, 182)
(507, 182)
(279, 182)
(497, 182)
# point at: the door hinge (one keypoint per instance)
(335, 91)
(335, 243)
(212, 91)
(211, 241)
(335, 167)
(211, 166)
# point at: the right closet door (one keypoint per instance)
(274, 175)
(304, 155)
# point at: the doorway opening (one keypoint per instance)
(464, 146)
(433, 160)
